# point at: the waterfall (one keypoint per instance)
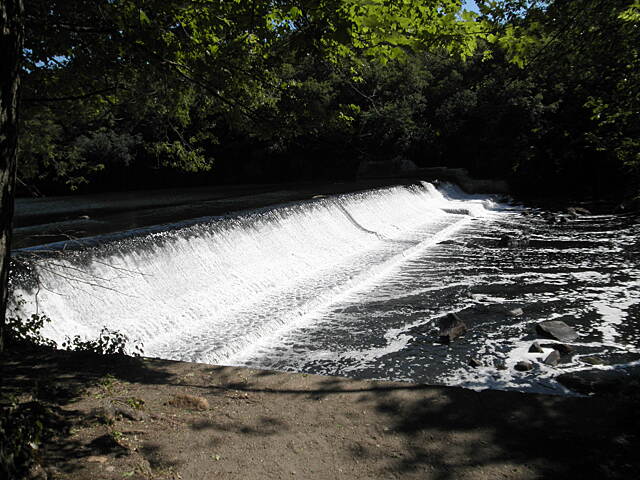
(210, 288)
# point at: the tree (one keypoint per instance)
(122, 59)
(11, 39)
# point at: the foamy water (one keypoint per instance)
(350, 285)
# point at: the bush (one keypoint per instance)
(109, 342)
(25, 331)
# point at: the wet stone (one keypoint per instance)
(451, 327)
(524, 366)
(535, 348)
(557, 330)
(474, 362)
(552, 359)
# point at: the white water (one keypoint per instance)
(216, 288)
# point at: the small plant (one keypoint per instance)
(107, 382)
(23, 331)
(136, 403)
(109, 342)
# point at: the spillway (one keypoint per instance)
(213, 289)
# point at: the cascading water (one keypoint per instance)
(214, 288)
(353, 285)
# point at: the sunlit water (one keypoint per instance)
(353, 285)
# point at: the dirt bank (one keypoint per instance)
(153, 419)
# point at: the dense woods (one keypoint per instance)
(135, 94)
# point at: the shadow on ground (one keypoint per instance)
(263, 424)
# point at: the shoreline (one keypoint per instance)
(122, 417)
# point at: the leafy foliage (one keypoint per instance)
(25, 331)
(109, 342)
(119, 92)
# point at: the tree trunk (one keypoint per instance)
(11, 44)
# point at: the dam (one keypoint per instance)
(353, 285)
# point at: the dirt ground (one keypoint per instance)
(117, 418)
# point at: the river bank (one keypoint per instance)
(118, 417)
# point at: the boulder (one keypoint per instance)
(524, 366)
(552, 359)
(557, 330)
(451, 327)
(535, 348)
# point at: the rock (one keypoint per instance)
(474, 362)
(591, 360)
(515, 312)
(513, 241)
(535, 348)
(524, 366)
(557, 330)
(552, 359)
(451, 327)
(560, 347)
(189, 402)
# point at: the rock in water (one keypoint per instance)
(451, 327)
(535, 348)
(556, 329)
(474, 362)
(524, 366)
(552, 359)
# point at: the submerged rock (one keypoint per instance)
(592, 360)
(451, 327)
(557, 330)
